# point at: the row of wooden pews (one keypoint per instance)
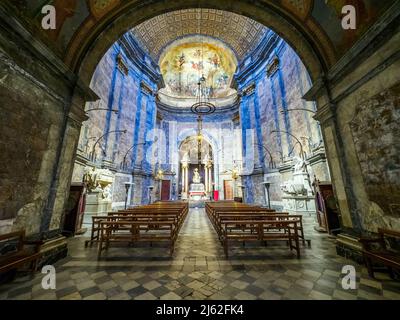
(234, 221)
(157, 222)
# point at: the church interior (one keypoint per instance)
(199, 150)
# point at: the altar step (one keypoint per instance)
(197, 204)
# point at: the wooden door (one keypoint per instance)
(165, 189)
(327, 211)
(228, 190)
(74, 210)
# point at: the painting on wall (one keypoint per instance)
(184, 64)
(375, 132)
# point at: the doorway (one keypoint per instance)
(228, 190)
(165, 190)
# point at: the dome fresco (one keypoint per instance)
(183, 64)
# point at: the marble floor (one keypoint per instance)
(199, 270)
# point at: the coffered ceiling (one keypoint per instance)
(238, 32)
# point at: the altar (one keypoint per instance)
(196, 179)
(197, 191)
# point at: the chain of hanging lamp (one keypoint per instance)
(202, 106)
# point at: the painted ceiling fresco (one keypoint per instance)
(240, 33)
(185, 62)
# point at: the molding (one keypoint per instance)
(325, 113)
(77, 114)
(274, 173)
(385, 27)
(236, 117)
(287, 167)
(316, 90)
(140, 59)
(122, 65)
(364, 47)
(257, 57)
(249, 90)
(273, 66)
(146, 88)
(80, 158)
(181, 110)
(318, 157)
(27, 41)
(370, 75)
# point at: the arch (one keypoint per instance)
(185, 134)
(87, 48)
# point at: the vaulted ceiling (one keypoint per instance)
(238, 32)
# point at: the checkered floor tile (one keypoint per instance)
(199, 270)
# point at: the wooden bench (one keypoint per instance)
(277, 216)
(381, 253)
(131, 231)
(20, 255)
(261, 230)
(160, 209)
(243, 222)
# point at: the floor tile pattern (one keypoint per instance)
(199, 270)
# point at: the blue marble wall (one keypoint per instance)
(125, 84)
(271, 87)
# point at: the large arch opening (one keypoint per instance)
(121, 116)
(314, 48)
(261, 131)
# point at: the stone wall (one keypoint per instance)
(367, 120)
(39, 127)
(30, 127)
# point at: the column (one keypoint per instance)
(206, 177)
(209, 179)
(186, 180)
(183, 178)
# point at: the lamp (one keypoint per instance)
(123, 163)
(266, 186)
(159, 175)
(98, 140)
(235, 174)
(127, 186)
(243, 195)
(150, 190)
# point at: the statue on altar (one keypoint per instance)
(197, 190)
(196, 176)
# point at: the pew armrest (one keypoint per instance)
(366, 242)
(36, 243)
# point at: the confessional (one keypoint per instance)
(74, 210)
(326, 208)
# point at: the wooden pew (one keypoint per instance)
(243, 222)
(249, 215)
(261, 230)
(148, 216)
(96, 221)
(381, 254)
(132, 231)
(21, 255)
